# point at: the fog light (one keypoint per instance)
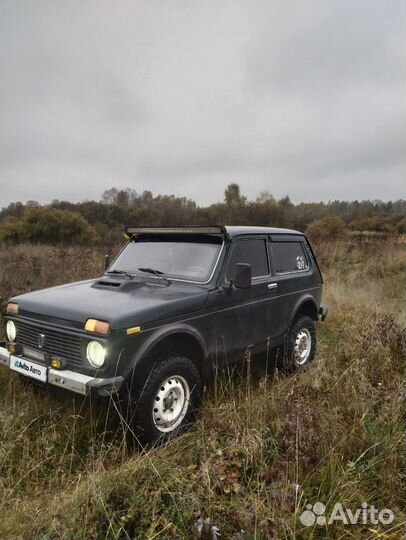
(96, 354)
(56, 363)
(11, 331)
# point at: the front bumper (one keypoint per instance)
(72, 381)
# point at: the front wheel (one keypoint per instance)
(300, 345)
(164, 405)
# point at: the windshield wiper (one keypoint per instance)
(121, 273)
(154, 272)
(151, 271)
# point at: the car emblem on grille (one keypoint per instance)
(41, 340)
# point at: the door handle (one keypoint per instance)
(272, 286)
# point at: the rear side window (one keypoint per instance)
(252, 252)
(289, 257)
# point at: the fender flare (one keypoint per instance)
(162, 333)
(307, 298)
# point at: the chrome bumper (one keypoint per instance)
(75, 382)
(4, 357)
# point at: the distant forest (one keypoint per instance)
(103, 221)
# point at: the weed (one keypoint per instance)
(262, 448)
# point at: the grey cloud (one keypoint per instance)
(317, 47)
(304, 98)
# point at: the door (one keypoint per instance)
(241, 313)
(273, 296)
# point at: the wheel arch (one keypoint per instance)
(306, 306)
(180, 340)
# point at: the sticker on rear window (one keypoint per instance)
(300, 262)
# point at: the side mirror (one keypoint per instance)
(106, 261)
(242, 279)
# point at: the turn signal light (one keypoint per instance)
(12, 309)
(97, 327)
(133, 330)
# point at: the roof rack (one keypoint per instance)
(185, 229)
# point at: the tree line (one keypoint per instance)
(104, 220)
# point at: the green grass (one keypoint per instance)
(261, 449)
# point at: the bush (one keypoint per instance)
(327, 227)
(372, 224)
(401, 226)
(47, 226)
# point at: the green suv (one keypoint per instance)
(174, 303)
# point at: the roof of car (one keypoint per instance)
(236, 230)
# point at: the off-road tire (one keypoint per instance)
(289, 360)
(142, 396)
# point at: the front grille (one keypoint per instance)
(57, 343)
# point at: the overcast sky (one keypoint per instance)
(305, 98)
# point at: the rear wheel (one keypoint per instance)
(300, 346)
(165, 403)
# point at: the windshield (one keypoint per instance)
(190, 259)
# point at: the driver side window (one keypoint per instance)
(249, 251)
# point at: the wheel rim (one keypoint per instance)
(170, 403)
(303, 346)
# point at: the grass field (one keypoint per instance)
(263, 446)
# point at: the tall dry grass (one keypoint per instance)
(262, 448)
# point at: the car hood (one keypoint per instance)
(120, 301)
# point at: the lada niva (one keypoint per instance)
(175, 302)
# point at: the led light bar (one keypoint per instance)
(192, 229)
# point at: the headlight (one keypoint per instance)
(96, 354)
(11, 331)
